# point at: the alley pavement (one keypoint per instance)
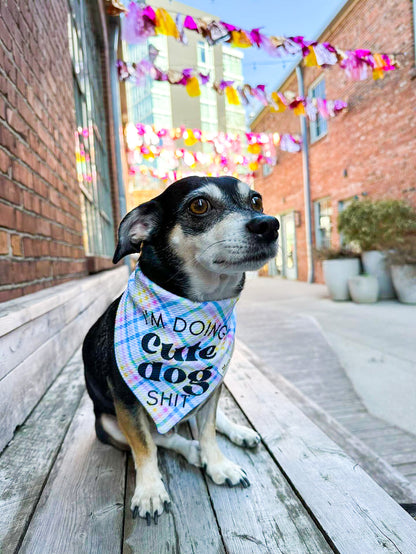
(358, 362)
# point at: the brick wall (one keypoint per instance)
(40, 224)
(374, 141)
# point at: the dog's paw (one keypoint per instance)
(150, 500)
(193, 453)
(244, 436)
(225, 472)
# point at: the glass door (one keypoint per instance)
(288, 241)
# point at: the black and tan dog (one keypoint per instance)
(195, 240)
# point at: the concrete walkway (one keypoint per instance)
(367, 380)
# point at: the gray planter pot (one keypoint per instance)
(363, 289)
(404, 281)
(336, 274)
(375, 264)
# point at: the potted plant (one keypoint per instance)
(403, 270)
(363, 289)
(338, 266)
(376, 227)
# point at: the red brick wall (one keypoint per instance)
(40, 224)
(374, 141)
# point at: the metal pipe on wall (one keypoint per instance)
(306, 181)
(113, 31)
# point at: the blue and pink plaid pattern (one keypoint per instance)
(170, 351)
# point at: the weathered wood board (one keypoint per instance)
(28, 459)
(354, 512)
(267, 516)
(20, 343)
(190, 526)
(389, 478)
(17, 312)
(81, 507)
(22, 388)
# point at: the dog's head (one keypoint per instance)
(202, 230)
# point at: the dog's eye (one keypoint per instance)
(257, 203)
(199, 206)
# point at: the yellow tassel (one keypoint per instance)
(190, 139)
(254, 148)
(378, 73)
(299, 110)
(239, 39)
(192, 87)
(232, 96)
(310, 60)
(165, 24)
(277, 100)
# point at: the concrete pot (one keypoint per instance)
(375, 264)
(336, 274)
(363, 289)
(404, 281)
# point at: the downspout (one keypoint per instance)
(113, 31)
(306, 181)
(414, 29)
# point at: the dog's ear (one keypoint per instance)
(136, 227)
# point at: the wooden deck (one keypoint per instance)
(314, 369)
(63, 491)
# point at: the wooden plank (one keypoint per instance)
(81, 507)
(355, 513)
(401, 458)
(189, 528)
(25, 385)
(268, 516)
(19, 311)
(383, 473)
(20, 343)
(26, 462)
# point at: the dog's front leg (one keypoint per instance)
(150, 496)
(238, 434)
(218, 467)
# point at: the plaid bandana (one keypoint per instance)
(170, 351)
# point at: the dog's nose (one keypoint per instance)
(265, 226)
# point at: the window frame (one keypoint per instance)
(319, 242)
(315, 132)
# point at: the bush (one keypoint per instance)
(377, 225)
(404, 253)
(334, 253)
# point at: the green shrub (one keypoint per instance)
(377, 225)
(334, 253)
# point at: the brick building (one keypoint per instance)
(59, 190)
(369, 150)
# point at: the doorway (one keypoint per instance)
(287, 245)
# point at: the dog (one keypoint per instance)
(195, 242)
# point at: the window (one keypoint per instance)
(202, 58)
(205, 56)
(90, 136)
(232, 65)
(342, 204)
(319, 127)
(323, 213)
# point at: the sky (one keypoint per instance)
(274, 17)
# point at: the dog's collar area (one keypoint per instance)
(168, 296)
(172, 352)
